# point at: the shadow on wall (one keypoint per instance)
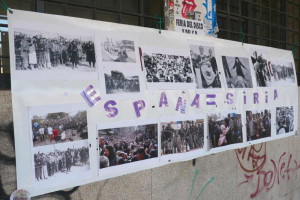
(10, 161)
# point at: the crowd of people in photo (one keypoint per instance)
(284, 120)
(205, 69)
(51, 131)
(49, 164)
(125, 145)
(118, 82)
(225, 131)
(39, 52)
(281, 72)
(258, 124)
(189, 136)
(168, 68)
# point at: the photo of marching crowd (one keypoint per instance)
(237, 72)
(124, 145)
(282, 72)
(284, 119)
(59, 127)
(53, 52)
(56, 162)
(162, 67)
(258, 124)
(181, 136)
(261, 67)
(117, 82)
(224, 129)
(205, 67)
(117, 50)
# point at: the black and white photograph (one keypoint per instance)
(116, 82)
(262, 68)
(56, 163)
(282, 73)
(53, 52)
(67, 125)
(237, 72)
(224, 129)
(285, 119)
(118, 50)
(166, 68)
(181, 136)
(258, 124)
(118, 146)
(205, 66)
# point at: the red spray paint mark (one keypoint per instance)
(252, 161)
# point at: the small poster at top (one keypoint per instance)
(196, 17)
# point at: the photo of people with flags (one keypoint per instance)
(205, 66)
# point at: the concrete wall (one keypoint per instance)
(266, 171)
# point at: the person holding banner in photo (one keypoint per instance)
(208, 76)
(205, 69)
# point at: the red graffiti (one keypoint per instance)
(282, 169)
(252, 158)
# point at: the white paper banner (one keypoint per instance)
(84, 112)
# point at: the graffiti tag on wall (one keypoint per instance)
(253, 161)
